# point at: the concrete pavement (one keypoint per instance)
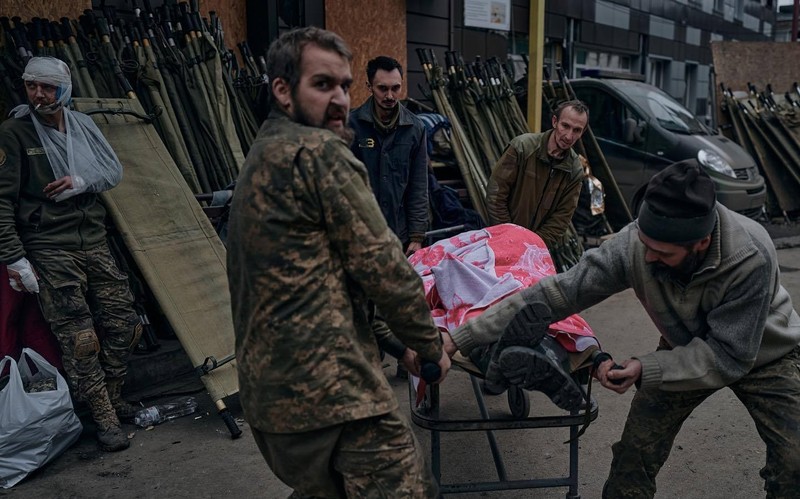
(717, 453)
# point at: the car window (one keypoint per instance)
(669, 114)
(606, 113)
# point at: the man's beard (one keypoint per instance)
(681, 273)
(346, 132)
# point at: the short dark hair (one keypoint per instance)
(286, 53)
(578, 105)
(382, 62)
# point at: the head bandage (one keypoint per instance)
(50, 71)
(78, 150)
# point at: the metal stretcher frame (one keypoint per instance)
(427, 416)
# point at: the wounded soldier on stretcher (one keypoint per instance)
(466, 274)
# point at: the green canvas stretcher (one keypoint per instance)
(172, 241)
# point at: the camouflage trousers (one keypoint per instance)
(78, 289)
(771, 394)
(376, 457)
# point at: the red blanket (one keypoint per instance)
(467, 273)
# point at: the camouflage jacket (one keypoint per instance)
(307, 246)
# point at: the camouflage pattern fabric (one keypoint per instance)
(77, 289)
(307, 245)
(770, 393)
(368, 458)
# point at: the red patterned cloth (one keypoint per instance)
(467, 273)
(22, 325)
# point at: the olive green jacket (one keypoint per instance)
(530, 189)
(307, 247)
(28, 218)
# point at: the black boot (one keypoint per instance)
(526, 329)
(543, 368)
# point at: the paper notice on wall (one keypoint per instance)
(490, 14)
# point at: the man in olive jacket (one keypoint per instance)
(53, 161)
(307, 247)
(709, 279)
(537, 181)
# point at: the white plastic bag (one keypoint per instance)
(34, 427)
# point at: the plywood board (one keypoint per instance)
(232, 13)
(370, 29)
(27, 9)
(760, 63)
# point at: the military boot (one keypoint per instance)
(109, 433)
(125, 411)
(544, 368)
(526, 329)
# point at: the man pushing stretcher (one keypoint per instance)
(709, 279)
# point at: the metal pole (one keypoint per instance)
(795, 14)
(536, 54)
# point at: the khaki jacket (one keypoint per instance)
(532, 190)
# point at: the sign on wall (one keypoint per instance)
(490, 14)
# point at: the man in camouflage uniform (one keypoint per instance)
(709, 279)
(53, 241)
(307, 247)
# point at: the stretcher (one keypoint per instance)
(426, 412)
(462, 277)
(173, 244)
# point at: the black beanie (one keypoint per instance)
(678, 205)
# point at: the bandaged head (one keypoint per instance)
(50, 71)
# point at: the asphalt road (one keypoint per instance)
(716, 455)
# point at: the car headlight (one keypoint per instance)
(714, 161)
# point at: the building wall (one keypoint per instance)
(369, 32)
(668, 41)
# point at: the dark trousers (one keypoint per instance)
(770, 393)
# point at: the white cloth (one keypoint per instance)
(26, 275)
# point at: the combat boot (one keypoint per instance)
(109, 433)
(544, 368)
(125, 411)
(526, 329)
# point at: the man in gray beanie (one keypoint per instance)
(709, 279)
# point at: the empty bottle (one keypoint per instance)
(159, 413)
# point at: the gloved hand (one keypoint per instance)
(22, 269)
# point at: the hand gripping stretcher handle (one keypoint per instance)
(430, 371)
(600, 357)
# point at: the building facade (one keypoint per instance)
(666, 41)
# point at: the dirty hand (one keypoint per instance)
(21, 276)
(412, 248)
(619, 380)
(448, 345)
(56, 187)
(409, 361)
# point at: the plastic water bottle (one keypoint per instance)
(159, 413)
